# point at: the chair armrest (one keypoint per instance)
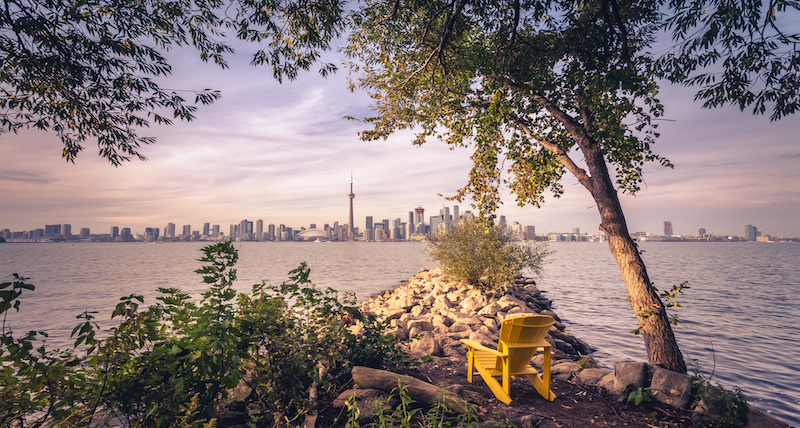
(539, 344)
(475, 345)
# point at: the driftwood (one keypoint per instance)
(421, 391)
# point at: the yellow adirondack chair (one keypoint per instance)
(520, 339)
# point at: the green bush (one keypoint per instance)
(484, 256)
(170, 365)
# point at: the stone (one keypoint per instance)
(564, 370)
(758, 419)
(508, 302)
(491, 324)
(424, 346)
(473, 302)
(483, 340)
(550, 313)
(420, 325)
(630, 374)
(389, 314)
(460, 326)
(591, 376)
(490, 310)
(607, 383)
(418, 311)
(671, 388)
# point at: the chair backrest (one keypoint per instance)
(529, 329)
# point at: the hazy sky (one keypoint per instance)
(284, 153)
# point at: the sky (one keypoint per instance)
(284, 153)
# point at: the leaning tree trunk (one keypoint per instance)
(659, 340)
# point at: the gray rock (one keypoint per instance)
(483, 340)
(490, 310)
(424, 346)
(630, 374)
(420, 325)
(591, 376)
(459, 326)
(550, 313)
(671, 388)
(564, 370)
(607, 383)
(758, 419)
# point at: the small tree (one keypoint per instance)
(484, 256)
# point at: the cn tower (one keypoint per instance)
(350, 224)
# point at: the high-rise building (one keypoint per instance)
(351, 195)
(701, 231)
(187, 230)
(271, 232)
(444, 214)
(114, 233)
(667, 228)
(411, 218)
(125, 234)
(169, 231)
(215, 231)
(516, 231)
(576, 230)
(84, 232)
(148, 234)
(419, 214)
(206, 229)
(530, 233)
(66, 230)
(455, 212)
(232, 233)
(750, 232)
(259, 229)
(52, 230)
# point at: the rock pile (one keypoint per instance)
(440, 312)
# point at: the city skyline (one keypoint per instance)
(275, 151)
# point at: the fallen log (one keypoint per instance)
(421, 391)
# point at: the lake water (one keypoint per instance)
(741, 318)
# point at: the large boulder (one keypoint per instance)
(671, 388)
(425, 346)
(591, 376)
(564, 370)
(634, 373)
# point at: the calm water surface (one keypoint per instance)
(741, 321)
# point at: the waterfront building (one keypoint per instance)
(66, 230)
(419, 214)
(187, 230)
(206, 229)
(85, 233)
(668, 228)
(215, 230)
(517, 232)
(169, 231)
(114, 233)
(750, 232)
(271, 232)
(455, 212)
(125, 235)
(52, 230)
(530, 233)
(259, 230)
(411, 218)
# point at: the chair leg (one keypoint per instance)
(470, 363)
(542, 382)
(493, 384)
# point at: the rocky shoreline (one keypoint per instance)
(438, 313)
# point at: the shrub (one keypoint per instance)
(484, 256)
(171, 364)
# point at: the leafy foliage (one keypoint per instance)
(408, 413)
(730, 405)
(743, 53)
(637, 396)
(481, 255)
(171, 364)
(90, 69)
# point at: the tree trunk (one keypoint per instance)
(662, 349)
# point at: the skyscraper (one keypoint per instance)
(350, 223)
(169, 231)
(114, 233)
(187, 230)
(259, 229)
(750, 232)
(419, 212)
(66, 230)
(530, 233)
(215, 230)
(667, 228)
(455, 212)
(206, 229)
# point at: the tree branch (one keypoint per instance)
(562, 156)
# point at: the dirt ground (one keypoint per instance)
(575, 405)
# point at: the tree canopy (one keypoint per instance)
(89, 69)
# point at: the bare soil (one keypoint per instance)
(576, 405)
